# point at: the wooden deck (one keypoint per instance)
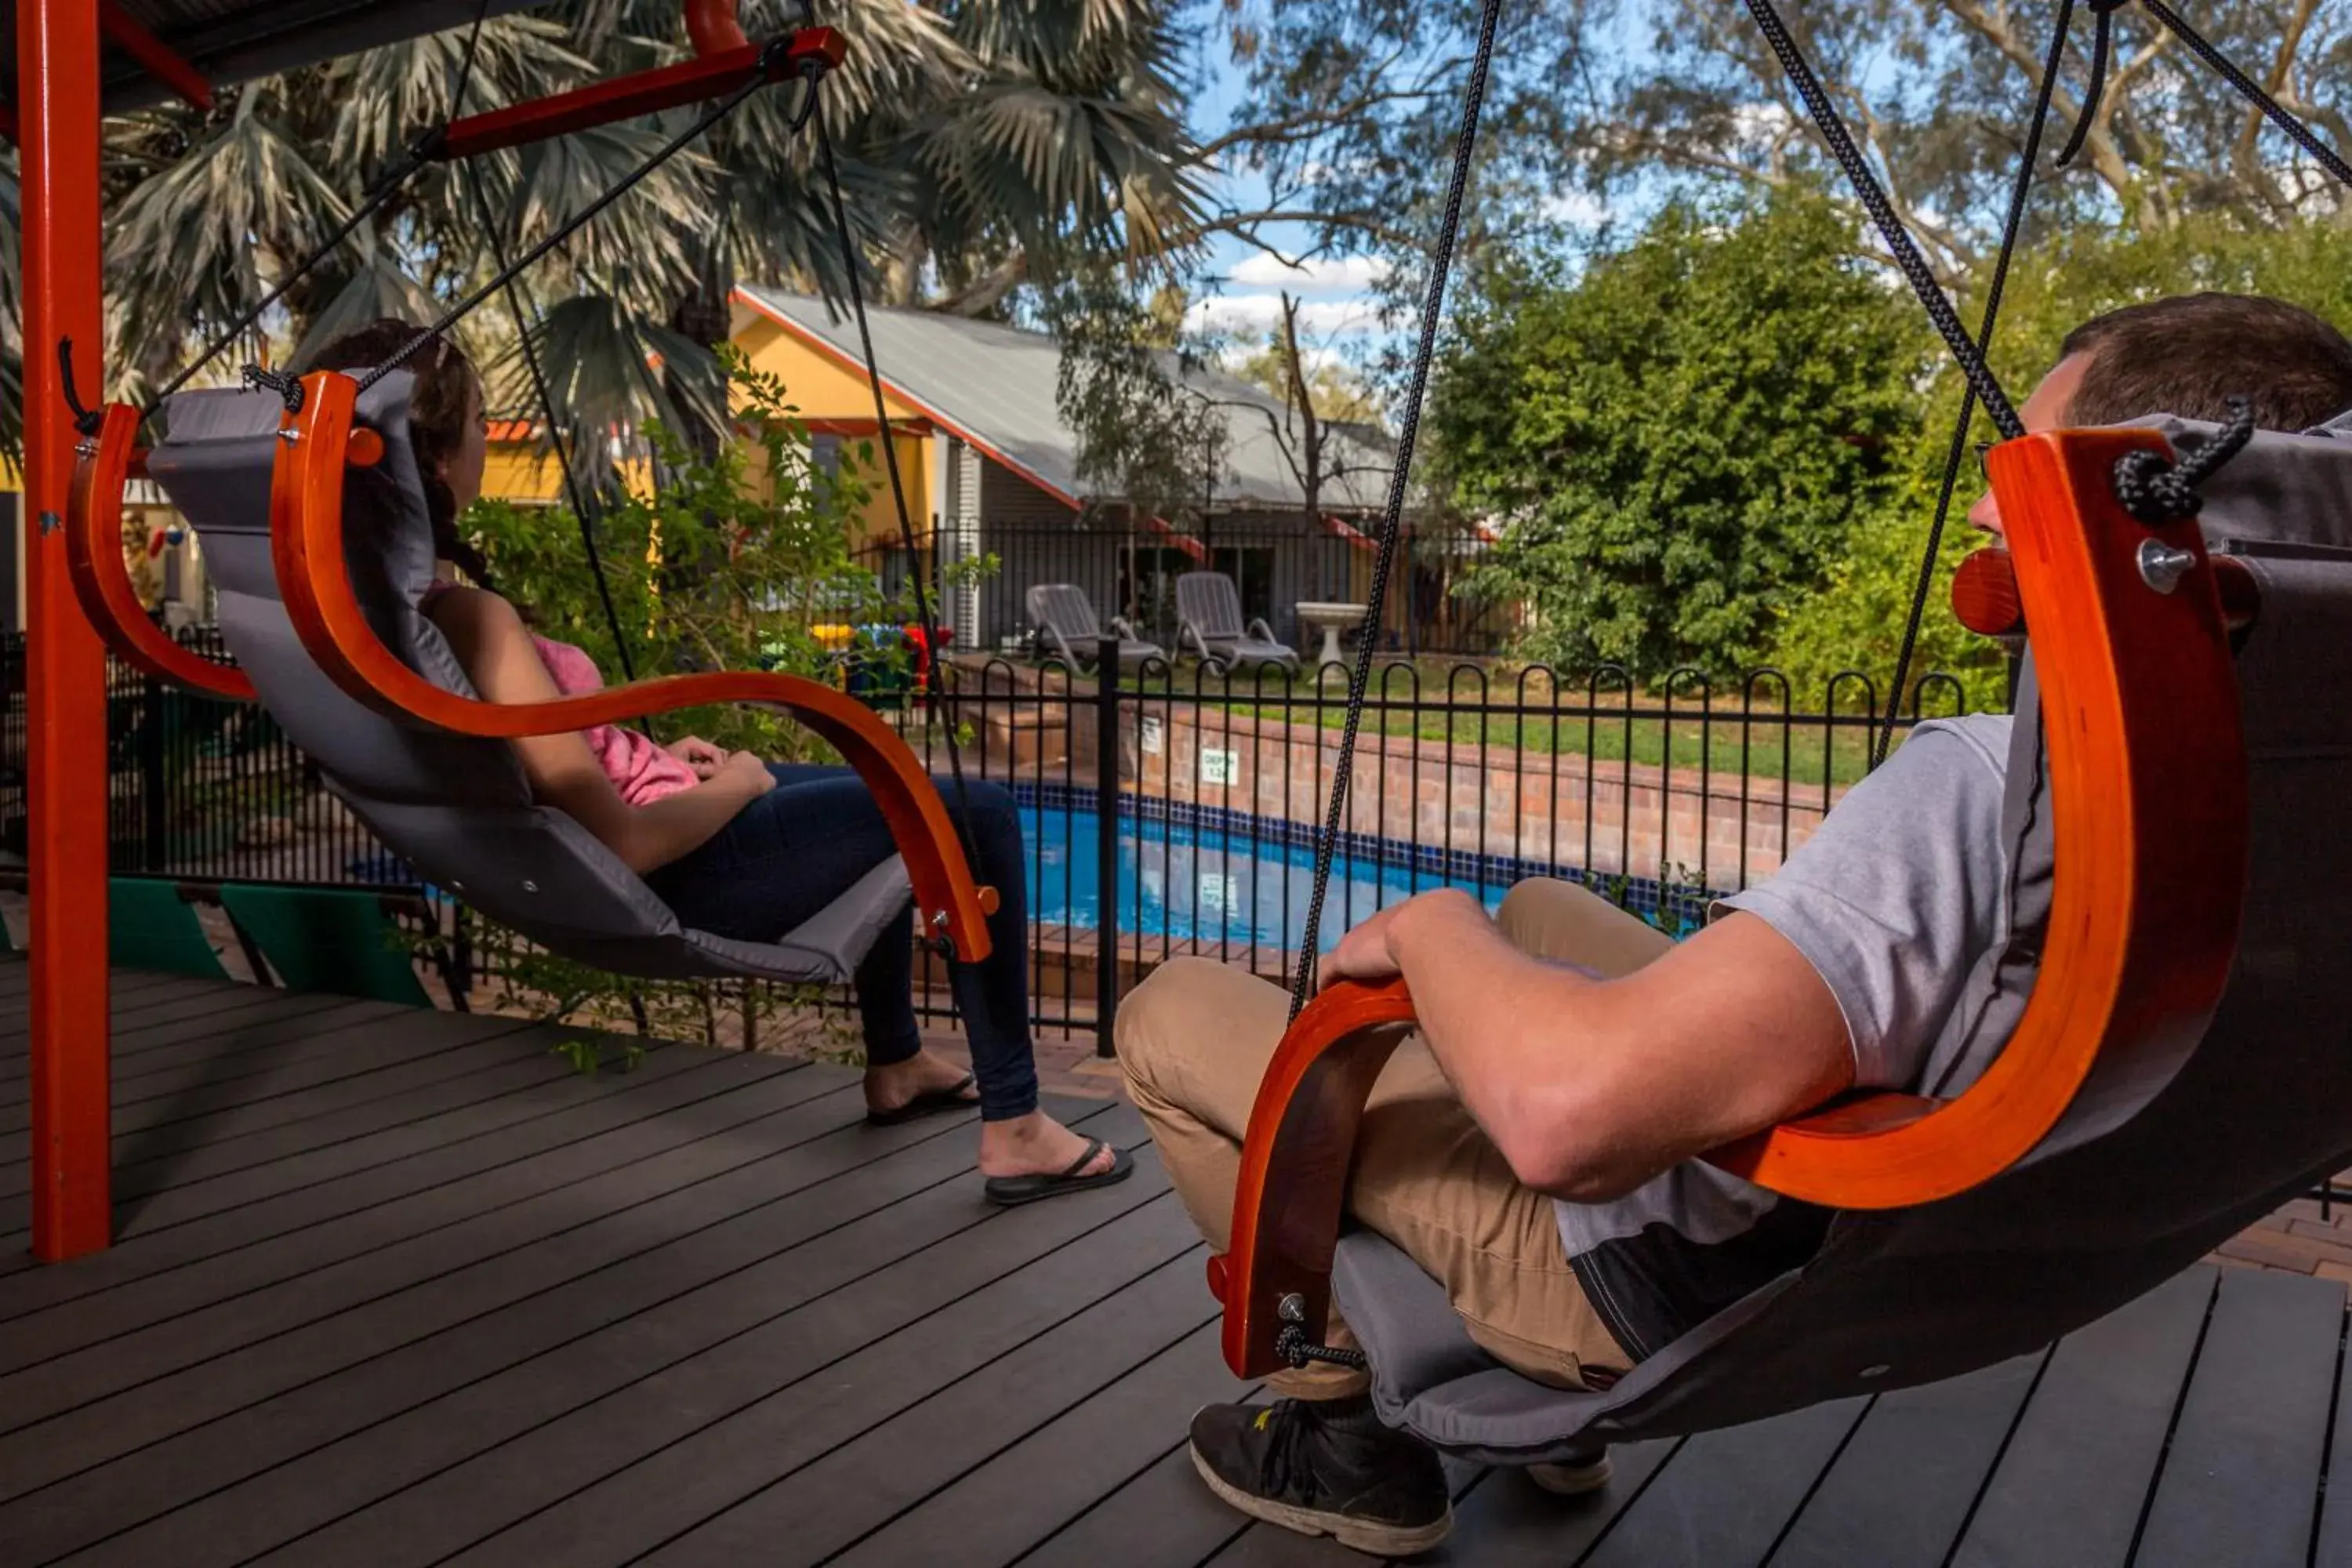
(404, 1288)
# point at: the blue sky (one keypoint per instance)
(1238, 292)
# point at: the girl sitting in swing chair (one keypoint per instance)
(738, 847)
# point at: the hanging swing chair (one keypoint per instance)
(319, 541)
(2173, 984)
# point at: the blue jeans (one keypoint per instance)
(804, 844)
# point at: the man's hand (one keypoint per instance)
(699, 754)
(1365, 953)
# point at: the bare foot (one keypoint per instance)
(889, 1088)
(1036, 1145)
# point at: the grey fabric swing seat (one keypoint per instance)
(2156, 1162)
(457, 808)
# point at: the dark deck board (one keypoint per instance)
(354, 1053)
(2236, 1485)
(1899, 1493)
(283, 1199)
(1724, 1498)
(156, 1021)
(413, 1414)
(711, 1431)
(2332, 1545)
(90, 1406)
(426, 1423)
(1162, 1517)
(401, 1287)
(1509, 1521)
(2070, 1486)
(1028, 1490)
(180, 1029)
(291, 1251)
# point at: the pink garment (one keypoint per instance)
(641, 771)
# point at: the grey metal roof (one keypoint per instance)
(995, 386)
(237, 40)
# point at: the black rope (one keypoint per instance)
(2102, 44)
(1293, 1346)
(1957, 454)
(1897, 240)
(526, 318)
(419, 154)
(86, 421)
(2251, 90)
(285, 383)
(2157, 491)
(627, 182)
(935, 689)
(1441, 263)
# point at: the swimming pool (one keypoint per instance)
(1204, 884)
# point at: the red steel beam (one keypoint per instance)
(713, 26)
(641, 92)
(125, 33)
(57, 98)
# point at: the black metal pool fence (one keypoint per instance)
(1658, 796)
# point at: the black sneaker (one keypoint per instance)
(1326, 1468)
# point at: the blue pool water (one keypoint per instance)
(1202, 883)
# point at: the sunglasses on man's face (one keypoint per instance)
(1984, 469)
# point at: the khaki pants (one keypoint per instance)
(1194, 1040)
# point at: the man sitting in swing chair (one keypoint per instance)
(1536, 1148)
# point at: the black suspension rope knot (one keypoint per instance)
(285, 383)
(2102, 48)
(86, 421)
(2156, 490)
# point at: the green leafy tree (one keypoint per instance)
(974, 139)
(1677, 440)
(1855, 621)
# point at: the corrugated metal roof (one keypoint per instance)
(237, 40)
(995, 386)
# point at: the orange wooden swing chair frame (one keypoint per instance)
(81, 603)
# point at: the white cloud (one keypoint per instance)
(1580, 208)
(1760, 125)
(1353, 274)
(1257, 314)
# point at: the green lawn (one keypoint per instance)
(1603, 721)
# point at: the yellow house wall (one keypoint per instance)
(819, 387)
(521, 473)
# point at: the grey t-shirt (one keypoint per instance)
(1899, 902)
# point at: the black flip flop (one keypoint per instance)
(1008, 1191)
(931, 1103)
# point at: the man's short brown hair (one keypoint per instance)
(2189, 355)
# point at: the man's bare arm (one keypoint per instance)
(1590, 1088)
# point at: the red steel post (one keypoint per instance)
(57, 98)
